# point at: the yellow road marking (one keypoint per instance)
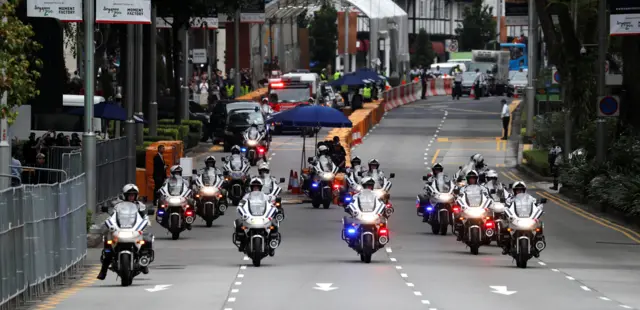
(633, 235)
(469, 140)
(504, 173)
(435, 156)
(501, 145)
(54, 300)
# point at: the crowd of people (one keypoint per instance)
(218, 86)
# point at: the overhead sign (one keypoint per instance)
(516, 12)
(199, 56)
(625, 17)
(64, 10)
(555, 77)
(608, 106)
(123, 12)
(253, 12)
(195, 22)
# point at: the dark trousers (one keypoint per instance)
(478, 91)
(424, 90)
(457, 90)
(156, 187)
(505, 126)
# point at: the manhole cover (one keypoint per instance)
(618, 243)
(168, 267)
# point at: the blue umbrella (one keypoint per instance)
(311, 116)
(368, 74)
(108, 111)
(349, 80)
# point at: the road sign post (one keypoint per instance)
(555, 76)
(608, 106)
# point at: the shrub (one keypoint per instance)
(172, 133)
(195, 126)
(538, 161)
(183, 130)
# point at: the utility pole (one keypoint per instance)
(568, 122)
(236, 53)
(530, 90)
(139, 88)
(498, 21)
(153, 85)
(346, 67)
(130, 126)
(603, 45)
(89, 137)
(5, 142)
(184, 100)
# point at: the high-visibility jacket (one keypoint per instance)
(323, 76)
(336, 76)
(244, 89)
(230, 89)
(366, 93)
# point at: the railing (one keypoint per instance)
(43, 238)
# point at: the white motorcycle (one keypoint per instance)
(126, 242)
(175, 211)
(496, 212)
(273, 190)
(211, 203)
(525, 228)
(260, 222)
(436, 207)
(368, 232)
(322, 189)
(254, 148)
(475, 224)
(235, 173)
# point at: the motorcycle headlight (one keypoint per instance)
(252, 142)
(525, 223)
(369, 217)
(208, 190)
(126, 234)
(173, 200)
(327, 176)
(445, 196)
(258, 220)
(379, 193)
(474, 212)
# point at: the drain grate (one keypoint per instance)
(618, 243)
(168, 267)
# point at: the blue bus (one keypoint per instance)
(519, 57)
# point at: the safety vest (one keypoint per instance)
(344, 88)
(336, 75)
(229, 89)
(323, 77)
(366, 93)
(244, 89)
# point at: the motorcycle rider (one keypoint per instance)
(236, 152)
(256, 192)
(472, 183)
(520, 188)
(269, 182)
(130, 193)
(436, 169)
(338, 154)
(491, 178)
(323, 150)
(368, 184)
(352, 173)
(210, 164)
(377, 174)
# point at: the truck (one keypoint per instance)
(496, 65)
(518, 53)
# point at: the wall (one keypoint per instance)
(245, 46)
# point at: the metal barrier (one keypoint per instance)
(43, 238)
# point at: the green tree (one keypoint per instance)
(478, 26)
(323, 35)
(422, 50)
(20, 67)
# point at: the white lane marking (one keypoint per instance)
(237, 283)
(245, 258)
(555, 270)
(425, 302)
(393, 259)
(570, 278)
(426, 158)
(585, 288)
(228, 309)
(604, 298)
(235, 290)
(625, 306)
(542, 264)
(399, 267)
(404, 275)
(437, 130)
(240, 275)
(435, 136)
(429, 145)
(243, 267)
(426, 163)
(410, 284)
(389, 250)
(417, 293)
(269, 159)
(231, 299)
(273, 154)
(433, 309)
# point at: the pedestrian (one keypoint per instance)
(457, 82)
(555, 162)
(478, 84)
(506, 117)
(159, 172)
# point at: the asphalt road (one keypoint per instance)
(585, 266)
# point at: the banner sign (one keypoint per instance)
(195, 22)
(516, 12)
(253, 12)
(64, 10)
(625, 18)
(123, 11)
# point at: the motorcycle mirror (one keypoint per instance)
(425, 178)
(460, 167)
(510, 185)
(150, 211)
(104, 209)
(194, 171)
(502, 200)
(392, 175)
(543, 200)
(281, 180)
(360, 173)
(310, 159)
(224, 160)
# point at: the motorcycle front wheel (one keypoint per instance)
(125, 270)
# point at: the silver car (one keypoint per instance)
(517, 83)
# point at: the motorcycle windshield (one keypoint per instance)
(367, 202)
(257, 207)
(209, 178)
(253, 133)
(267, 185)
(523, 205)
(474, 197)
(175, 187)
(236, 163)
(325, 164)
(126, 214)
(441, 184)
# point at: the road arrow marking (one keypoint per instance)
(501, 290)
(158, 288)
(325, 287)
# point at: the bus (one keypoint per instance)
(519, 57)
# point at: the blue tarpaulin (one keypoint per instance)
(311, 116)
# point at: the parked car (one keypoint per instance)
(468, 79)
(517, 84)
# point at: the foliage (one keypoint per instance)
(16, 50)
(195, 126)
(423, 50)
(323, 35)
(538, 161)
(477, 27)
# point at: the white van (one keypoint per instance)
(447, 67)
(309, 77)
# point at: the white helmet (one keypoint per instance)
(256, 182)
(130, 189)
(322, 149)
(520, 186)
(477, 158)
(367, 181)
(491, 174)
(176, 169)
(263, 166)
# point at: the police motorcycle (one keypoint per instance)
(366, 230)
(175, 211)
(271, 188)
(210, 200)
(254, 142)
(235, 172)
(256, 232)
(436, 206)
(476, 226)
(525, 239)
(352, 186)
(322, 189)
(499, 194)
(125, 245)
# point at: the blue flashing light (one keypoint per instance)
(314, 184)
(429, 208)
(160, 212)
(243, 149)
(351, 231)
(347, 199)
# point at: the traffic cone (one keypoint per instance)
(472, 94)
(295, 187)
(290, 180)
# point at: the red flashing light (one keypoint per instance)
(389, 205)
(260, 150)
(336, 186)
(188, 213)
(277, 85)
(383, 231)
(456, 209)
(488, 224)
